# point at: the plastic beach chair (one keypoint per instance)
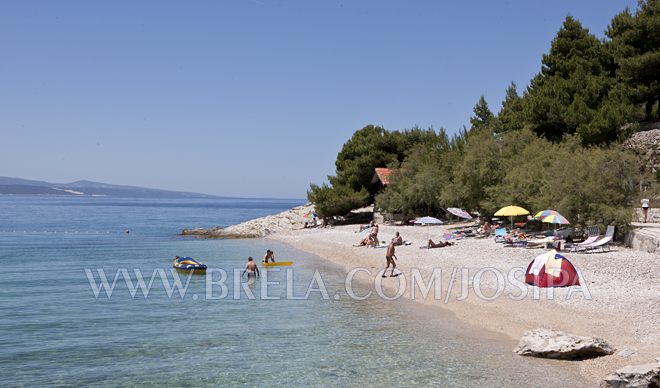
(602, 244)
(590, 240)
(610, 231)
(499, 234)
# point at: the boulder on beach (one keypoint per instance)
(637, 376)
(556, 344)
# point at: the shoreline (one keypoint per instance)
(624, 308)
(442, 322)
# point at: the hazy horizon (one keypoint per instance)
(250, 98)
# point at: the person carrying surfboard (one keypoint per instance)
(251, 269)
(390, 257)
(269, 255)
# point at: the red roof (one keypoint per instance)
(382, 174)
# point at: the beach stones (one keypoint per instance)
(548, 343)
(638, 376)
(260, 227)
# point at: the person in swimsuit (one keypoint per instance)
(373, 235)
(270, 255)
(645, 208)
(251, 269)
(397, 239)
(439, 244)
(390, 257)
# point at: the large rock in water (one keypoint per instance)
(638, 376)
(548, 343)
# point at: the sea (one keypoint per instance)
(61, 326)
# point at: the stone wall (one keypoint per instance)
(653, 216)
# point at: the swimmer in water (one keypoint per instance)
(270, 255)
(251, 269)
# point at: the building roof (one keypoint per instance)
(382, 175)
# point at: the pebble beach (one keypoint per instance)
(618, 298)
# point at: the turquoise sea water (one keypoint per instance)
(54, 331)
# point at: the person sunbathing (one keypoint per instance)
(373, 235)
(367, 226)
(368, 241)
(397, 239)
(439, 244)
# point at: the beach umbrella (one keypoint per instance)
(309, 215)
(511, 211)
(459, 213)
(555, 219)
(428, 221)
(551, 217)
(544, 213)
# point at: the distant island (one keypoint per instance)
(18, 186)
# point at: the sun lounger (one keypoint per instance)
(540, 243)
(593, 242)
(602, 244)
(516, 244)
(588, 241)
(610, 231)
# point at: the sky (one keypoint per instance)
(251, 98)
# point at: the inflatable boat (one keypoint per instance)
(187, 264)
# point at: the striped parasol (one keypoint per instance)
(551, 217)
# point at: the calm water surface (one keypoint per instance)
(53, 331)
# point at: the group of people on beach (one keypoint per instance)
(371, 240)
(315, 224)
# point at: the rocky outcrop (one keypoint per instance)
(548, 343)
(645, 239)
(219, 232)
(637, 376)
(260, 227)
(646, 144)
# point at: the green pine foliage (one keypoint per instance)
(555, 145)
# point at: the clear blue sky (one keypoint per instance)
(252, 97)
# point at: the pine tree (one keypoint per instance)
(566, 96)
(483, 117)
(636, 47)
(510, 117)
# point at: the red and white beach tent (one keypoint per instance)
(551, 270)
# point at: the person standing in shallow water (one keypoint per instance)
(251, 269)
(645, 208)
(390, 257)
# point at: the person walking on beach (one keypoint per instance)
(390, 257)
(645, 208)
(251, 269)
(269, 255)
